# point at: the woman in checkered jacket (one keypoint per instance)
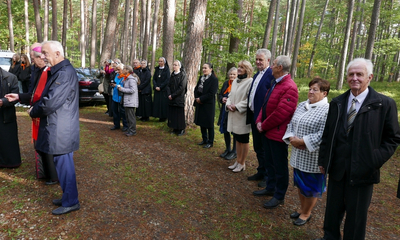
(304, 133)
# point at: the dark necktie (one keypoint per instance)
(351, 115)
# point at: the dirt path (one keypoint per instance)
(159, 186)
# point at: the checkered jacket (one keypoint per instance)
(308, 123)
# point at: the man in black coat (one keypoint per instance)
(361, 134)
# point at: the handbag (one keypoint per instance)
(101, 88)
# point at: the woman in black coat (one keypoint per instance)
(204, 94)
(25, 73)
(160, 81)
(176, 91)
(145, 101)
(15, 68)
(229, 153)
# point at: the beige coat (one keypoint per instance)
(238, 97)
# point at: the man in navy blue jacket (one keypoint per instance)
(261, 83)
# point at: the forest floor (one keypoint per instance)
(159, 186)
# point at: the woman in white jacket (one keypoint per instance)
(130, 98)
(237, 107)
(304, 133)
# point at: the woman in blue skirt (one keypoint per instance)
(304, 133)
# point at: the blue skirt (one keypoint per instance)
(310, 184)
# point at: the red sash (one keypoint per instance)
(36, 97)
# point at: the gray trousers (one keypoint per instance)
(131, 119)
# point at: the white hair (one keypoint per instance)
(55, 46)
(265, 52)
(361, 61)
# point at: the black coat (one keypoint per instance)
(177, 88)
(221, 95)
(145, 79)
(375, 131)
(160, 103)
(9, 147)
(25, 74)
(16, 69)
(205, 111)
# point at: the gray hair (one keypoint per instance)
(117, 61)
(143, 61)
(358, 61)
(129, 69)
(265, 52)
(285, 62)
(55, 46)
(231, 70)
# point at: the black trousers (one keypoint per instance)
(259, 149)
(209, 138)
(354, 201)
(48, 166)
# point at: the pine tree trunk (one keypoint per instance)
(169, 30)
(310, 65)
(275, 32)
(54, 27)
(110, 31)
(26, 26)
(93, 36)
(125, 34)
(293, 70)
(192, 51)
(339, 83)
(64, 30)
(82, 37)
(234, 41)
(10, 25)
(46, 20)
(271, 11)
(134, 29)
(155, 27)
(146, 37)
(372, 29)
(38, 22)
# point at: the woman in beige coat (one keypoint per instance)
(237, 107)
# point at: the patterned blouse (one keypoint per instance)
(308, 123)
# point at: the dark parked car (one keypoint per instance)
(88, 86)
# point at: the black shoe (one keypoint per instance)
(223, 155)
(231, 156)
(208, 145)
(273, 203)
(106, 113)
(263, 192)
(64, 210)
(125, 129)
(262, 184)
(294, 215)
(255, 177)
(51, 182)
(114, 128)
(181, 133)
(301, 222)
(57, 202)
(202, 143)
(130, 134)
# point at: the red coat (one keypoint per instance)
(279, 109)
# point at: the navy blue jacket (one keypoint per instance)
(262, 88)
(58, 110)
